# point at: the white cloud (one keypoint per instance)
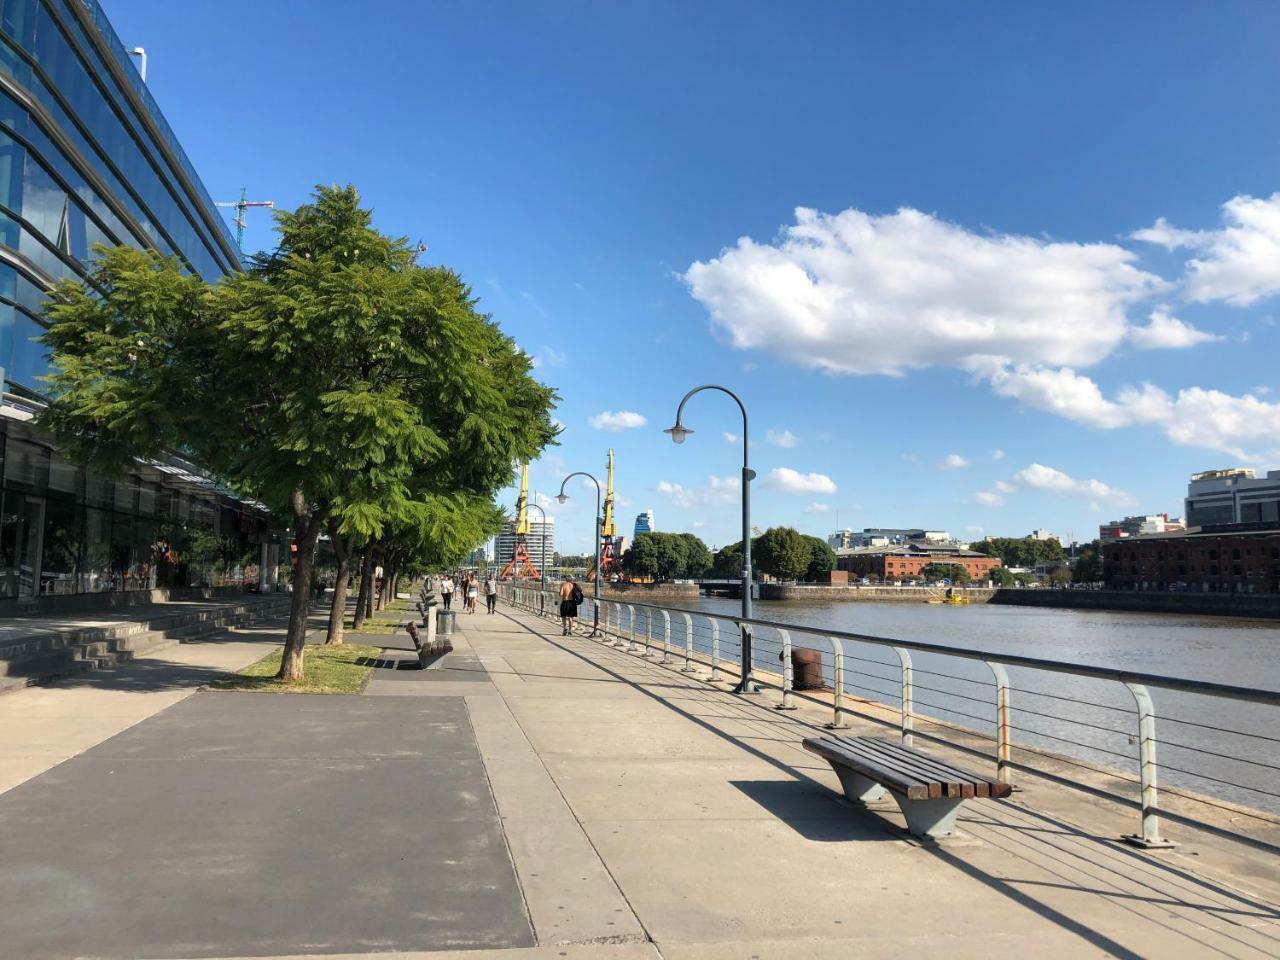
(620, 420)
(817, 508)
(784, 439)
(1050, 479)
(858, 293)
(953, 461)
(1164, 331)
(786, 480)
(730, 437)
(1239, 263)
(1039, 477)
(972, 528)
(997, 454)
(1246, 427)
(716, 492)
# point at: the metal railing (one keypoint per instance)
(979, 707)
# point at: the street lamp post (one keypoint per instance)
(678, 433)
(562, 497)
(542, 557)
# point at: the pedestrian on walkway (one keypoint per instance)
(446, 590)
(491, 593)
(570, 598)
(472, 592)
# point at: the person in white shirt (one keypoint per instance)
(446, 590)
(491, 593)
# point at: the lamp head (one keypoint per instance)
(678, 432)
(562, 496)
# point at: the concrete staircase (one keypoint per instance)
(46, 654)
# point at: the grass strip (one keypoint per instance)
(335, 669)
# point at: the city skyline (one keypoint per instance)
(660, 235)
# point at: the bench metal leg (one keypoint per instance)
(857, 788)
(930, 819)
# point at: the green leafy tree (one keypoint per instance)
(1088, 565)
(728, 561)
(697, 558)
(335, 380)
(1023, 551)
(782, 552)
(666, 556)
(954, 572)
(822, 559)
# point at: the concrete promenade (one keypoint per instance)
(533, 796)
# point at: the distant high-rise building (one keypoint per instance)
(644, 523)
(1233, 496)
(505, 542)
(1140, 526)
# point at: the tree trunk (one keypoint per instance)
(308, 523)
(337, 612)
(370, 597)
(363, 606)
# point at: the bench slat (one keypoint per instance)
(994, 788)
(957, 782)
(940, 785)
(913, 787)
(915, 774)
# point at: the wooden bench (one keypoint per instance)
(426, 650)
(928, 790)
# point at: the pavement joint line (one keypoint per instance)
(574, 813)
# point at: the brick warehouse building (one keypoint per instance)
(1230, 558)
(909, 560)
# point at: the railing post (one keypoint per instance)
(648, 633)
(617, 624)
(631, 629)
(838, 721)
(1002, 720)
(688, 645)
(715, 649)
(1150, 837)
(908, 717)
(666, 637)
(788, 672)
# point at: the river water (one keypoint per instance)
(1220, 748)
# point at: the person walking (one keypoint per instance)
(491, 593)
(570, 598)
(472, 592)
(446, 590)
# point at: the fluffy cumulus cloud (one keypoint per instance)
(858, 293)
(1164, 331)
(716, 492)
(1238, 263)
(784, 438)
(1245, 426)
(617, 420)
(953, 461)
(786, 480)
(1052, 480)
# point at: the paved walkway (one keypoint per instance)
(533, 796)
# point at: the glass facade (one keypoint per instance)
(87, 158)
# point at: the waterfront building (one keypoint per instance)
(1139, 525)
(1233, 496)
(644, 523)
(900, 561)
(1228, 558)
(541, 543)
(1042, 535)
(884, 536)
(86, 157)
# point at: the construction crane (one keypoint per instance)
(240, 206)
(610, 563)
(520, 564)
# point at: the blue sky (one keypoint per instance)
(1006, 268)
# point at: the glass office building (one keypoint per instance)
(86, 157)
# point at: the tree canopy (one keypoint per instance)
(1088, 565)
(334, 380)
(666, 556)
(782, 552)
(955, 572)
(1023, 551)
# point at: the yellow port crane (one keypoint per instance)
(610, 563)
(520, 564)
